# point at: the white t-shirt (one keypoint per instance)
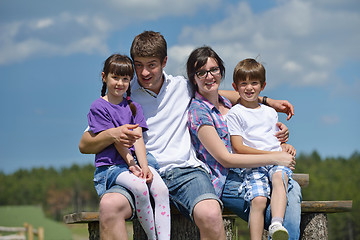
(168, 138)
(257, 126)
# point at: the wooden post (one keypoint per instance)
(314, 226)
(93, 228)
(40, 233)
(30, 231)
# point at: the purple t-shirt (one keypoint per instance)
(104, 115)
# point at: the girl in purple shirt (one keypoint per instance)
(128, 167)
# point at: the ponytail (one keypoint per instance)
(131, 104)
(103, 89)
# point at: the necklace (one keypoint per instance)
(148, 92)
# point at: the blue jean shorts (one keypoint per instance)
(187, 187)
(105, 177)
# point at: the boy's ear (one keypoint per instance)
(234, 86)
(262, 88)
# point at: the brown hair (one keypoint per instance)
(249, 68)
(199, 58)
(120, 65)
(149, 44)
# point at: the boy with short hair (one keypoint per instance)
(252, 127)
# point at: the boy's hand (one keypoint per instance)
(136, 170)
(288, 148)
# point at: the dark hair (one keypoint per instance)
(149, 44)
(120, 65)
(249, 68)
(199, 58)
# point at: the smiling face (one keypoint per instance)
(149, 72)
(116, 87)
(208, 77)
(249, 91)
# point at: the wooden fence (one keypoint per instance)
(22, 233)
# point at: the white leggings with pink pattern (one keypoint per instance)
(141, 191)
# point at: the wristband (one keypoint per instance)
(264, 101)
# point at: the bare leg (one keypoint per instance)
(208, 218)
(278, 196)
(256, 218)
(114, 210)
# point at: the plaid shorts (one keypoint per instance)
(257, 181)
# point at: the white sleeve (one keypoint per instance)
(234, 123)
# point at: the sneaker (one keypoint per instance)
(278, 232)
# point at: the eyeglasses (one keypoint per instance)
(203, 74)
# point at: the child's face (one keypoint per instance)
(149, 72)
(249, 89)
(116, 85)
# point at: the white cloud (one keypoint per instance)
(330, 119)
(301, 41)
(155, 9)
(43, 23)
(60, 35)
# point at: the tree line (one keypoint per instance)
(66, 190)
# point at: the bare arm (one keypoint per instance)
(91, 143)
(140, 152)
(233, 96)
(239, 147)
(282, 106)
(215, 146)
(129, 159)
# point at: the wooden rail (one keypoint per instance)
(19, 232)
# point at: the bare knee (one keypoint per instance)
(114, 206)
(277, 179)
(208, 218)
(259, 203)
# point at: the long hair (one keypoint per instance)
(199, 58)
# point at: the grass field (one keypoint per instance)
(16, 216)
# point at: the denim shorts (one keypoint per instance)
(105, 178)
(187, 187)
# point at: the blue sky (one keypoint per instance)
(51, 55)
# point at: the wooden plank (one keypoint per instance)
(12, 229)
(302, 179)
(326, 206)
(306, 207)
(81, 217)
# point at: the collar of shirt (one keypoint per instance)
(136, 85)
(222, 99)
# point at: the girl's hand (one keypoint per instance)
(288, 148)
(137, 171)
(283, 133)
(284, 159)
(148, 174)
